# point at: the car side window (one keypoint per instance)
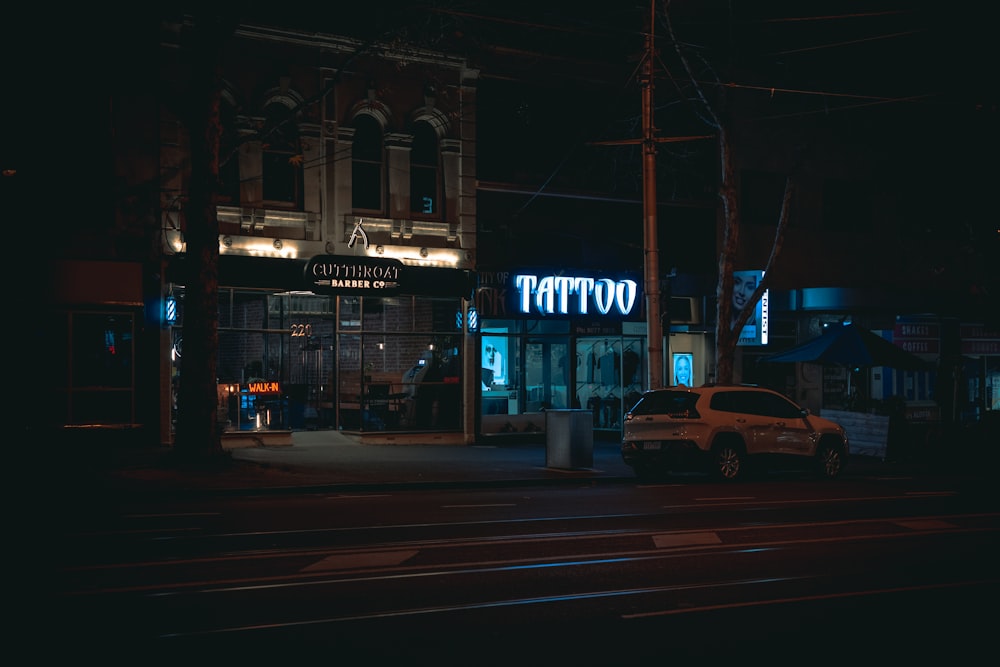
(666, 402)
(724, 401)
(772, 405)
(749, 403)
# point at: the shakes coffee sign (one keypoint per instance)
(366, 276)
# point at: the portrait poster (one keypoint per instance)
(494, 362)
(683, 369)
(754, 332)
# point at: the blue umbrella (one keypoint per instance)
(851, 345)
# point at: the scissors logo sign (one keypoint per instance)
(358, 231)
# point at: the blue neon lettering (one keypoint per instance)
(583, 287)
(625, 295)
(525, 285)
(545, 295)
(555, 294)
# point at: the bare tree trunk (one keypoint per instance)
(726, 337)
(197, 437)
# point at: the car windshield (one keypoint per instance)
(676, 403)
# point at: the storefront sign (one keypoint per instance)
(574, 295)
(978, 339)
(366, 276)
(755, 331)
(263, 388)
(917, 337)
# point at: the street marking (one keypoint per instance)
(685, 539)
(360, 560)
(927, 524)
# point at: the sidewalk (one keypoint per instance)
(330, 461)
(337, 458)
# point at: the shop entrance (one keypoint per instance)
(546, 374)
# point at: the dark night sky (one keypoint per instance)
(917, 75)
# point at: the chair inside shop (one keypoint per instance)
(376, 411)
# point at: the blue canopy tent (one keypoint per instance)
(851, 345)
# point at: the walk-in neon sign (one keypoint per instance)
(263, 388)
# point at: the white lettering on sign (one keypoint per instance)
(980, 347)
(574, 295)
(346, 270)
(915, 345)
(360, 274)
(764, 318)
(916, 330)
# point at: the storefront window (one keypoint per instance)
(525, 369)
(301, 361)
(992, 401)
(610, 377)
(545, 374)
(403, 371)
(349, 313)
(90, 376)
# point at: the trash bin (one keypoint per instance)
(569, 439)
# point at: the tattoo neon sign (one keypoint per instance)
(574, 295)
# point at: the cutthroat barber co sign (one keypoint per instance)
(366, 276)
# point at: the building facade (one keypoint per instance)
(347, 220)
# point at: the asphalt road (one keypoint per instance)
(868, 567)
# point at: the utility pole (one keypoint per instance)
(650, 239)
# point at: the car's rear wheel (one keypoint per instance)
(829, 459)
(728, 461)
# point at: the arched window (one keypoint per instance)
(281, 157)
(425, 181)
(367, 165)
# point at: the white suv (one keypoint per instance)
(722, 427)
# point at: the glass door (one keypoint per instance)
(546, 374)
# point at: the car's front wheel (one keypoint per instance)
(728, 461)
(829, 460)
